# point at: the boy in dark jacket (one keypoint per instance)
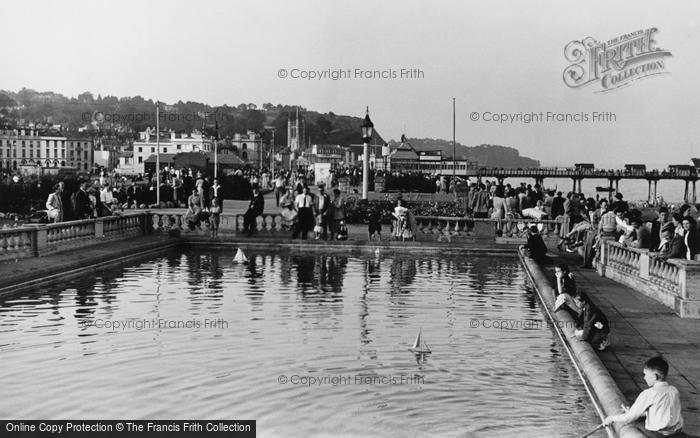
(592, 325)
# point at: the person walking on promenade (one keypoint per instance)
(589, 243)
(322, 204)
(216, 193)
(481, 202)
(280, 188)
(337, 213)
(82, 205)
(660, 403)
(303, 203)
(54, 205)
(255, 209)
(499, 208)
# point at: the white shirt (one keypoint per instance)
(662, 404)
(106, 196)
(303, 200)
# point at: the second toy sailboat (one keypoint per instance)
(419, 345)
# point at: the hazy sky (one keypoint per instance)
(496, 56)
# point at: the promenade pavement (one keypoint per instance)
(642, 328)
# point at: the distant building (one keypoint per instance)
(333, 154)
(295, 132)
(406, 158)
(108, 150)
(695, 162)
(170, 143)
(45, 149)
(248, 147)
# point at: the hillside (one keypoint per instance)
(126, 116)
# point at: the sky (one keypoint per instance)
(491, 57)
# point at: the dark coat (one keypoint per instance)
(676, 249)
(537, 247)
(568, 286)
(82, 207)
(219, 197)
(588, 318)
(257, 204)
(557, 206)
(655, 238)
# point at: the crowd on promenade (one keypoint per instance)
(668, 231)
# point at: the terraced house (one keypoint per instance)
(32, 151)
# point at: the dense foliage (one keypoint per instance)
(360, 211)
(120, 116)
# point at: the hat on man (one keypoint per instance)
(618, 195)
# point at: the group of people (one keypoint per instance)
(671, 235)
(205, 204)
(303, 212)
(85, 203)
(660, 403)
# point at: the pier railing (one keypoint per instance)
(673, 282)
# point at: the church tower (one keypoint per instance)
(295, 135)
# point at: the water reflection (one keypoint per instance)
(295, 313)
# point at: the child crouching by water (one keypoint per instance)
(661, 404)
(591, 324)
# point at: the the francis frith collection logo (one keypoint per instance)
(615, 63)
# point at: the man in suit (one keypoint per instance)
(54, 204)
(255, 209)
(82, 206)
(656, 227)
(322, 204)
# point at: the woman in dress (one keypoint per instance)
(337, 213)
(402, 229)
(194, 210)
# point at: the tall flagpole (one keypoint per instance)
(158, 153)
(454, 145)
(216, 151)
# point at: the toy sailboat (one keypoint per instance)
(240, 257)
(419, 346)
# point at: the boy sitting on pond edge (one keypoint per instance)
(660, 403)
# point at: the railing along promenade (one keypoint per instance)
(615, 174)
(673, 282)
(39, 240)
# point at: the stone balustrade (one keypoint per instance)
(38, 240)
(430, 227)
(673, 282)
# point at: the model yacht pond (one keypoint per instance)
(315, 340)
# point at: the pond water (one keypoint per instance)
(306, 344)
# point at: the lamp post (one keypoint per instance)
(367, 127)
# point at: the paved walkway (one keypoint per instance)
(14, 272)
(642, 328)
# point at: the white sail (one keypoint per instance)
(419, 345)
(240, 257)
